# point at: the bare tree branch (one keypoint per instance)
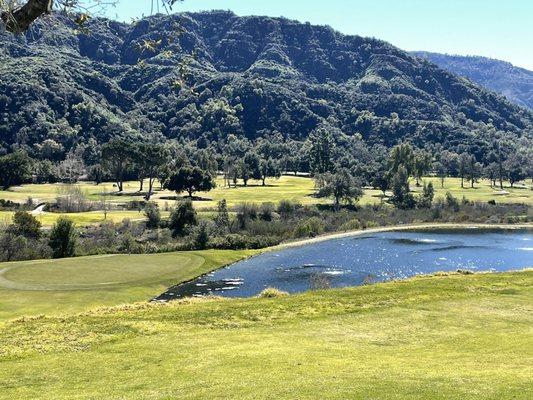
(20, 19)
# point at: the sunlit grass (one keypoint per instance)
(449, 337)
(298, 189)
(77, 284)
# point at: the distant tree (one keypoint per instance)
(465, 160)
(150, 159)
(491, 172)
(63, 237)
(402, 197)
(190, 180)
(381, 182)
(222, 219)
(440, 170)
(181, 217)
(402, 155)
(341, 186)
(515, 167)
(15, 169)
(421, 165)
(268, 169)
(153, 215)
(201, 236)
(321, 152)
(25, 224)
(12, 246)
(426, 198)
(71, 168)
(474, 170)
(117, 155)
(250, 168)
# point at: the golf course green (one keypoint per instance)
(78, 284)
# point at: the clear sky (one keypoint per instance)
(500, 29)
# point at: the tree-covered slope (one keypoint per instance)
(204, 76)
(500, 76)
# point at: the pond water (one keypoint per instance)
(353, 261)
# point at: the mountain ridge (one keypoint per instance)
(223, 75)
(516, 83)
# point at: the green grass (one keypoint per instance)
(300, 189)
(447, 337)
(77, 284)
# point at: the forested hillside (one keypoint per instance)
(500, 76)
(199, 78)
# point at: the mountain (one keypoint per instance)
(500, 76)
(203, 76)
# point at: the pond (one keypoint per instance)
(366, 258)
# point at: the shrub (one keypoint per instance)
(266, 211)
(63, 238)
(310, 228)
(26, 225)
(272, 293)
(352, 225)
(245, 213)
(152, 213)
(201, 236)
(182, 217)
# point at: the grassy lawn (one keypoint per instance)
(299, 189)
(447, 337)
(77, 284)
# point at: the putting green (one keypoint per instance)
(88, 273)
(65, 286)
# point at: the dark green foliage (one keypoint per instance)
(182, 217)
(63, 237)
(341, 186)
(190, 180)
(117, 156)
(222, 221)
(401, 194)
(201, 236)
(253, 77)
(25, 224)
(153, 215)
(15, 169)
(427, 196)
(321, 154)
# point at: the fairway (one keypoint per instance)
(77, 284)
(444, 337)
(294, 188)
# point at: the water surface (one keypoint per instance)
(375, 257)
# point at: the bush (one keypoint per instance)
(26, 225)
(352, 225)
(286, 208)
(311, 227)
(63, 238)
(272, 293)
(152, 213)
(266, 211)
(201, 236)
(182, 217)
(452, 202)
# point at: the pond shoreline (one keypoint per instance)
(409, 227)
(361, 232)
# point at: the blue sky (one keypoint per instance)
(500, 29)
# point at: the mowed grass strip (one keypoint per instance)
(442, 337)
(294, 188)
(77, 284)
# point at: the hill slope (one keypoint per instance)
(500, 76)
(226, 74)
